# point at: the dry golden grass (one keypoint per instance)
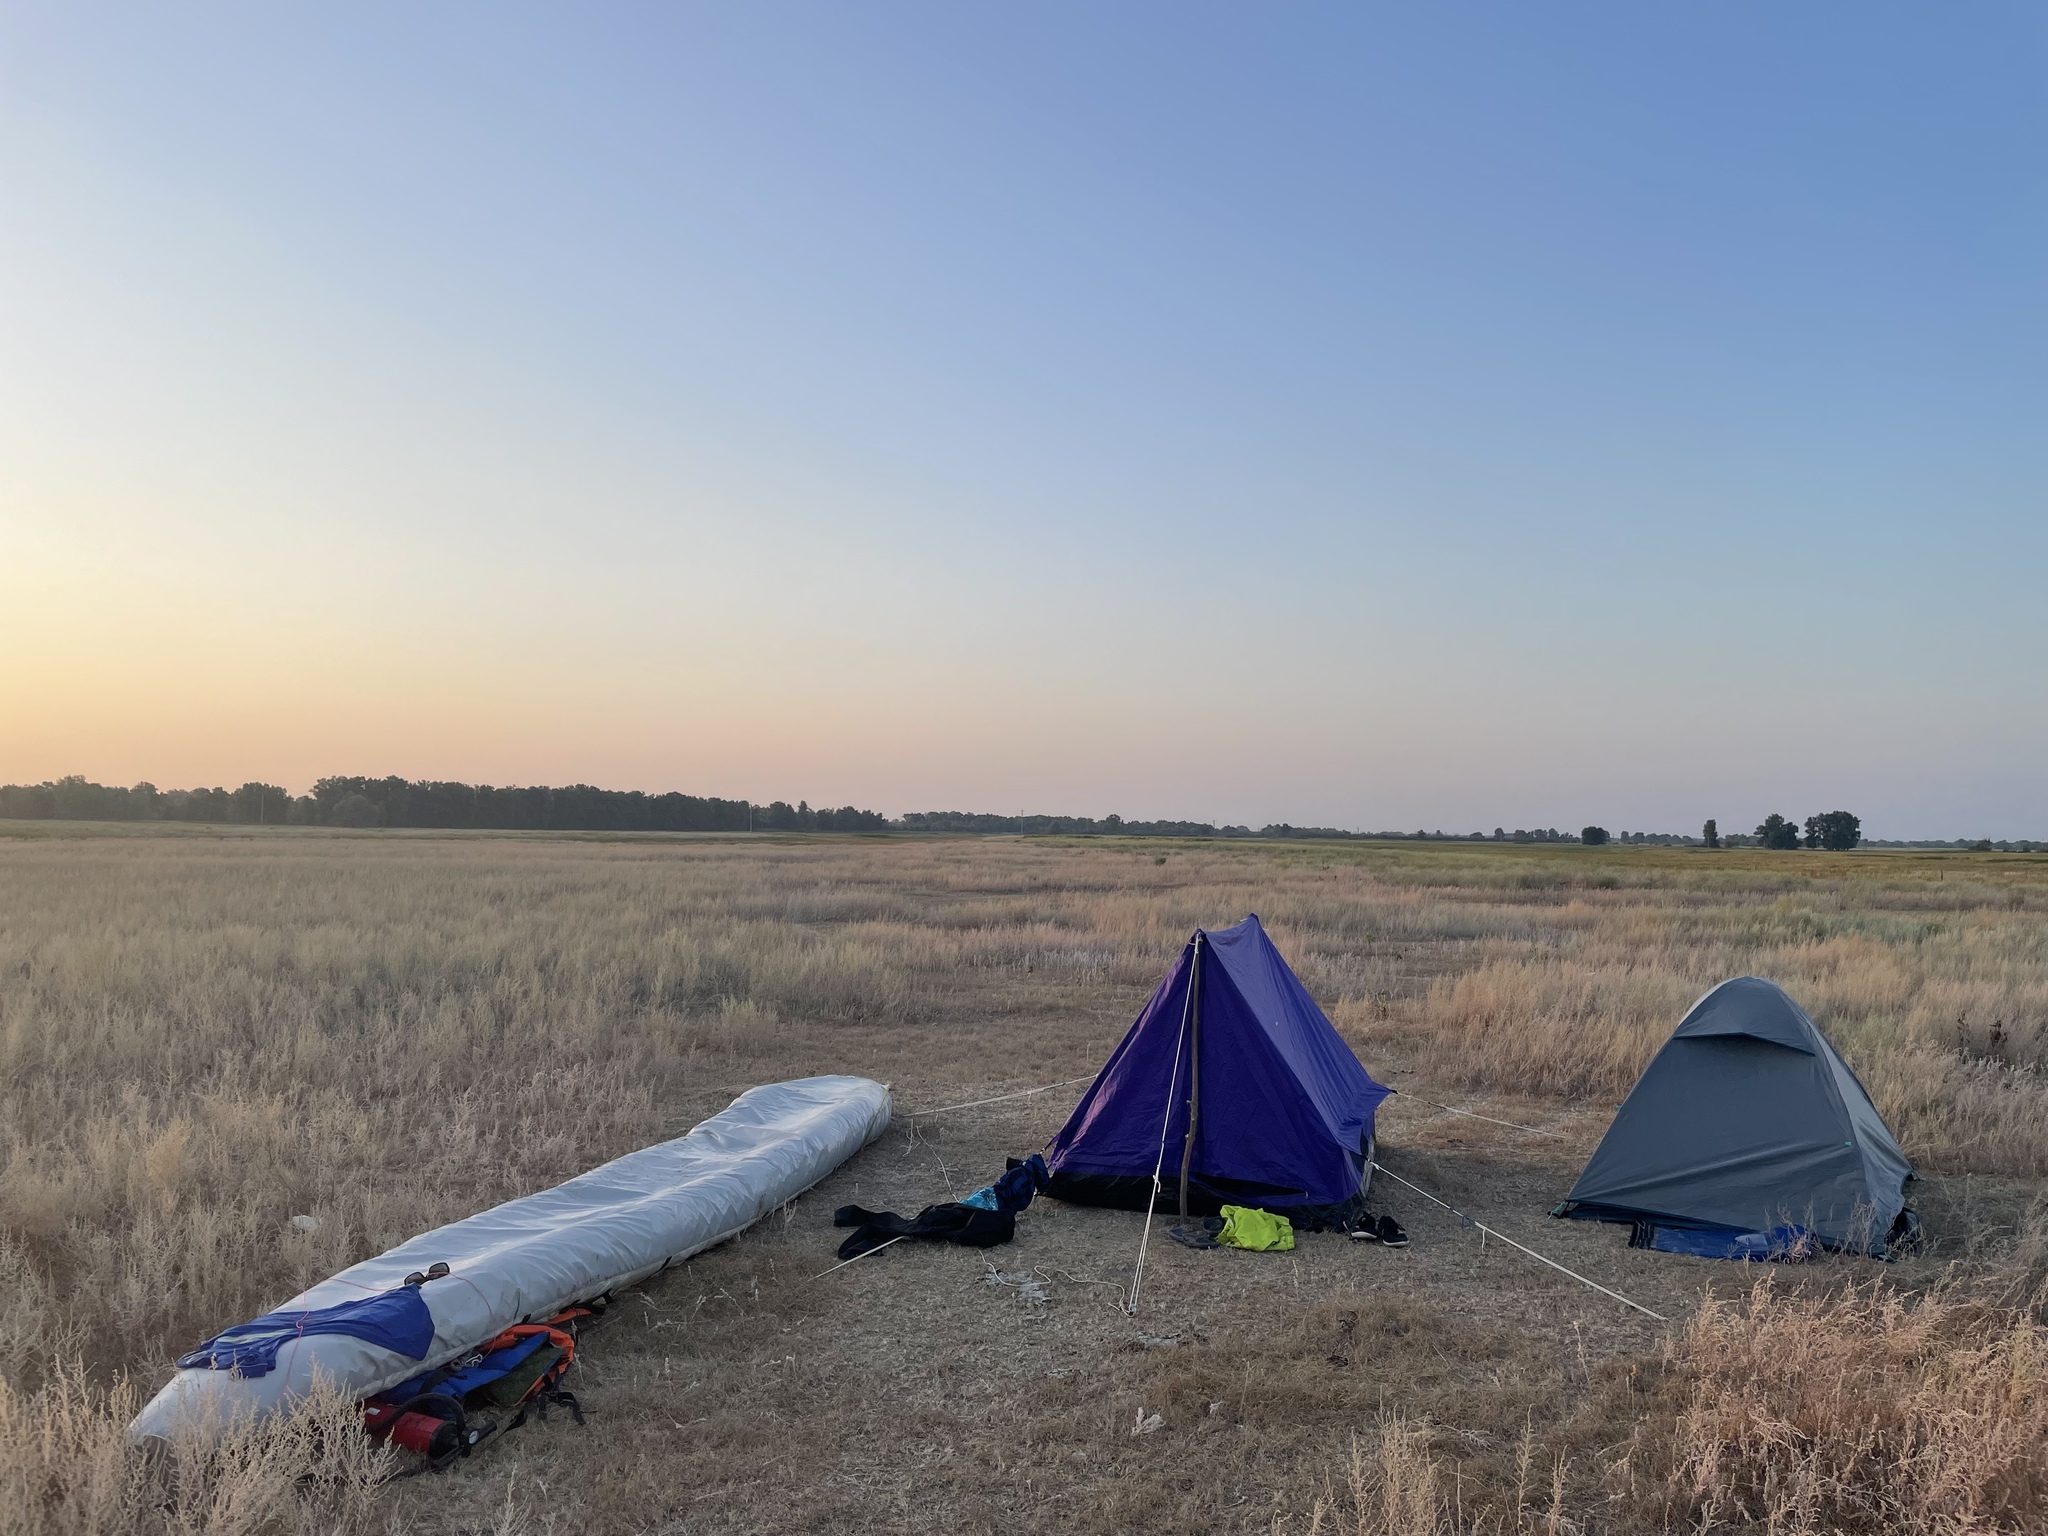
(68, 1470)
(202, 1037)
(1867, 1411)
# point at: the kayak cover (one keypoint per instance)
(528, 1258)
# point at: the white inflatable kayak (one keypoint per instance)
(366, 1330)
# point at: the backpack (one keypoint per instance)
(516, 1372)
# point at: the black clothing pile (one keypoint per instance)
(985, 1218)
(968, 1225)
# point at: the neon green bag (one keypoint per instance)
(1261, 1231)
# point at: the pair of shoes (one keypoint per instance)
(1385, 1230)
(1193, 1237)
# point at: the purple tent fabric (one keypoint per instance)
(1286, 1110)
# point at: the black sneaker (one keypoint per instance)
(1364, 1232)
(1391, 1233)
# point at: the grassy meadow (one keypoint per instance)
(204, 1033)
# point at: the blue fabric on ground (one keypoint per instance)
(1014, 1190)
(396, 1320)
(1774, 1246)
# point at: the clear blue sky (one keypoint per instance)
(1371, 415)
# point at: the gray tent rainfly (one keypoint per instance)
(1746, 1136)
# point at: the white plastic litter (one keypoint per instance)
(1030, 1288)
(529, 1258)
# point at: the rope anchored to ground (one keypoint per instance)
(1520, 1247)
(1001, 1098)
(1452, 1109)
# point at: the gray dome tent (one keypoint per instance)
(1745, 1134)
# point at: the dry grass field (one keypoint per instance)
(206, 1032)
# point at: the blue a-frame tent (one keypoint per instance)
(1232, 1044)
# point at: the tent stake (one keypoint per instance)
(821, 1274)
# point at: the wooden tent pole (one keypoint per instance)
(1194, 1074)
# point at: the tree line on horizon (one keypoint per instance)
(392, 801)
(353, 801)
(1836, 831)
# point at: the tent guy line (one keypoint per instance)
(1025, 1093)
(1533, 1130)
(1482, 1226)
(1001, 1098)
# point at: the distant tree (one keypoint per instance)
(354, 810)
(1499, 836)
(1836, 831)
(79, 799)
(1710, 834)
(1593, 836)
(1982, 845)
(261, 803)
(851, 819)
(1777, 832)
(30, 802)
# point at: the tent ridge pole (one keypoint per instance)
(1165, 1126)
(1187, 1153)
